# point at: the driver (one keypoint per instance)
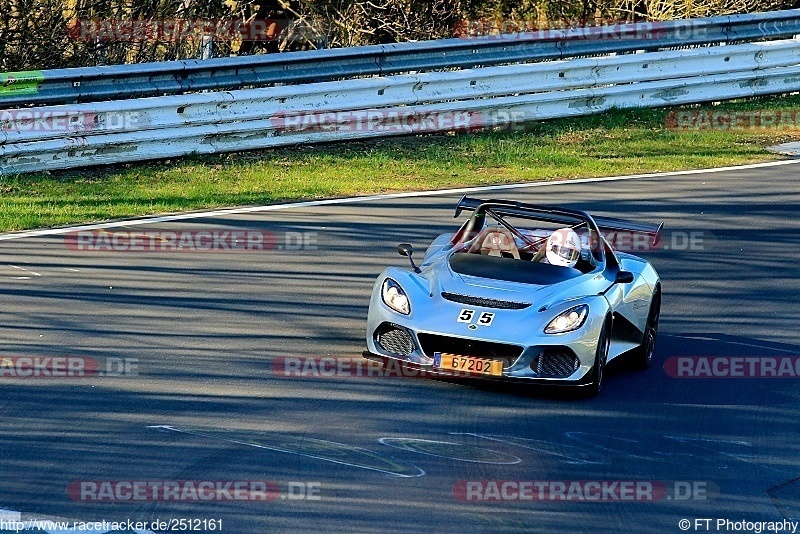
(563, 248)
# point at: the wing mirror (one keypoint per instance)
(623, 277)
(404, 249)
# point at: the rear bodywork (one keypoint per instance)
(497, 308)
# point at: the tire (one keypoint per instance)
(601, 355)
(642, 356)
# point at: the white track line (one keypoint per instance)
(419, 472)
(26, 270)
(353, 200)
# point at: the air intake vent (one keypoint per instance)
(557, 362)
(485, 303)
(394, 339)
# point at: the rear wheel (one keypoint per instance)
(643, 354)
(603, 343)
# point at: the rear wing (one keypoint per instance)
(559, 215)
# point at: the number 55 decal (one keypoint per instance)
(467, 315)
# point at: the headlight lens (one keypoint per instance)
(567, 321)
(394, 297)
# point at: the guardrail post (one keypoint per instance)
(207, 47)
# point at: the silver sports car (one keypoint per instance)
(520, 292)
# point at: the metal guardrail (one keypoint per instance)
(176, 77)
(197, 109)
(205, 123)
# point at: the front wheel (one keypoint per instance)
(601, 355)
(643, 354)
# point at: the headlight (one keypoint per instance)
(394, 297)
(567, 321)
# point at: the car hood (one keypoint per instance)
(500, 279)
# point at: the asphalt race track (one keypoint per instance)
(207, 337)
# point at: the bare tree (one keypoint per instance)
(41, 34)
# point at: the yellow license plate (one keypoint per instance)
(467, 364)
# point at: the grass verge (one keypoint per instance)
(613, 143)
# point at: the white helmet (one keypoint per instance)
(563, 247)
